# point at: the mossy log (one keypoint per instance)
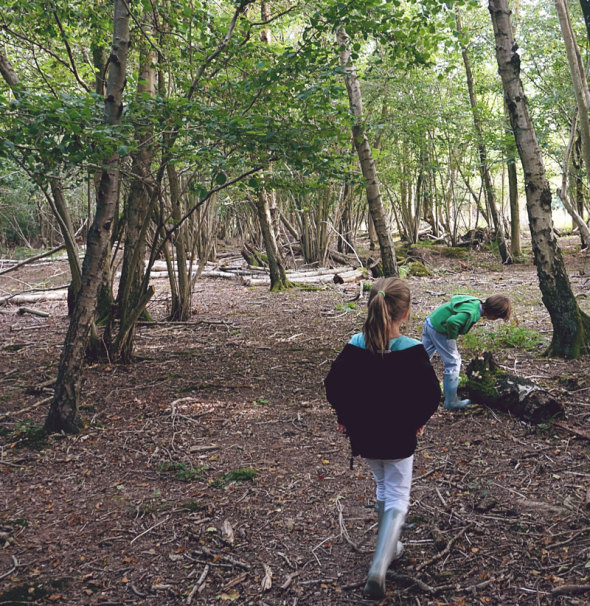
(488, 384)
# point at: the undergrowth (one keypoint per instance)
(506, 336)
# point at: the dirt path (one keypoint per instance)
(210, 470)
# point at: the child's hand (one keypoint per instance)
(420, 430)
(341, 429)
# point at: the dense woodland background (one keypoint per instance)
(159, 159)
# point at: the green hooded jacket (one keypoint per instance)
(457, 316)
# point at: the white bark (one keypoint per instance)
(579, 81)
(365, 155)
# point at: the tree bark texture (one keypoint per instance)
(8, 73)
(511, 158)
(63, 413)
(562, 193)
(585, 4)
(515, 243)
(278, 274)
(133, 284)
(180, 308)
(366, 160)
(571, 326)
(60, 209)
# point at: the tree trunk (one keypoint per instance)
(180, 307)
(585, 4)
(266, 204)
(515, 244)
(562, 192)
(579, 188)
(60, 208)
(571, 326)
(106, 300)
(483, 159)
(133, 286)
(511, 157)
(278, 274)
(579, 81)
(63, 413)
(366, 159)
(345, 235)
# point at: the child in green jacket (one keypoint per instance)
(450, 320)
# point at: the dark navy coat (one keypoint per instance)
(382, 399)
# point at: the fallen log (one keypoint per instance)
(19, 299)
(488, 384)
(313, 278)
(30, 310)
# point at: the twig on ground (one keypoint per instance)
(318, 546)
(444, 552)
(235, 581)
(406, 578)
(289, 579)
(570, 589)
(343, 529)
(150, 529)
(18, 412)
(199, 585)
(10, 464)
(223, 556)
(136, 591)
(440, 497)
(15, 565)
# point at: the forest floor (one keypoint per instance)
(210, 471)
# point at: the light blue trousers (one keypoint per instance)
(446, 348)
(394, 481)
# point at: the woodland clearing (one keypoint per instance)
(210, 471)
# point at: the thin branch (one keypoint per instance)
(15, 565)
(143, 33)
(73, 67)
(34, 43)
(224, 42)
(443, 553)
(150, 529)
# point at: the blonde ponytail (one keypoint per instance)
(389, 300)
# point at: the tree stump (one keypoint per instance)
(488, 384)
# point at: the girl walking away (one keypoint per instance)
(450, 320)
(384, 389)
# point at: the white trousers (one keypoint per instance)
(447, 348)
(394, 481)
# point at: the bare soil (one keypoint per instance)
(210, 470)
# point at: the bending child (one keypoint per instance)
(384, 389)
(450, 320)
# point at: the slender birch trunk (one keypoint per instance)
(367, 162)
(484, 167)
(133, 289)
(63, 413)
(266, 203)
(571, 326)
(579, 81)
(562, 192)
